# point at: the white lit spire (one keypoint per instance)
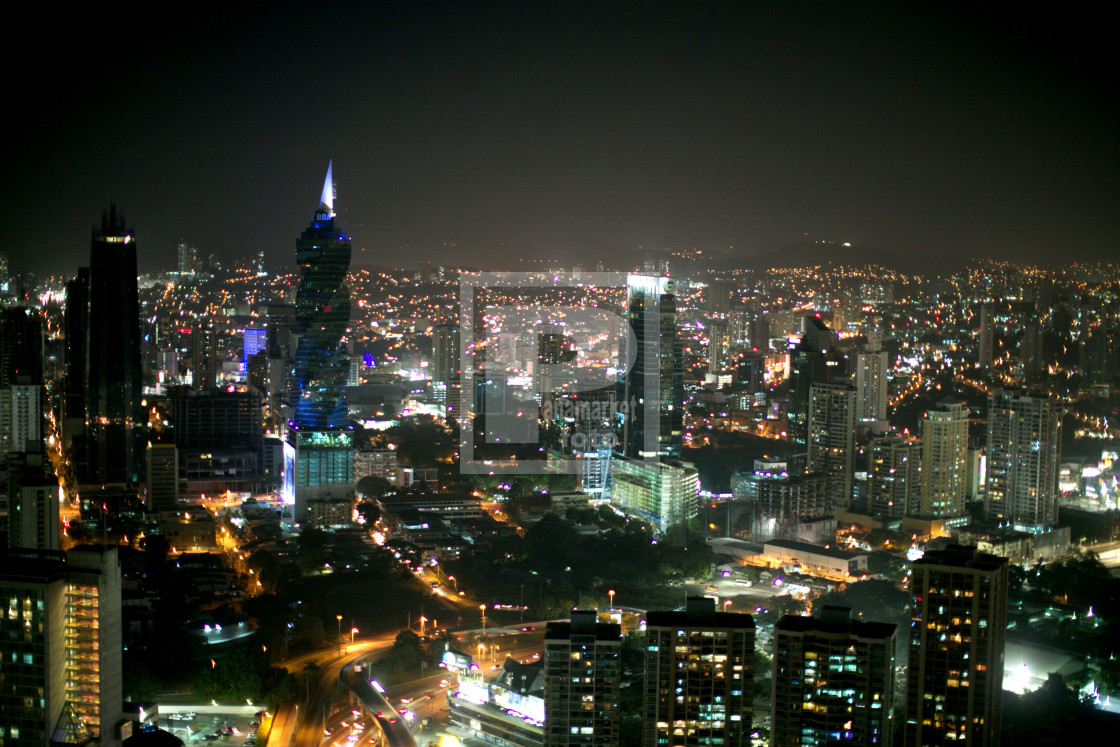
(327, 202)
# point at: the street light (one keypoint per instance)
(483, 608)
(611, 595)
(339, 618)
(725, 603)
(454, 583)
(353, 632)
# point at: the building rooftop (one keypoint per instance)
(583, 622)
(699, 612)
(835, 620)
(962, 556)
(811, 548)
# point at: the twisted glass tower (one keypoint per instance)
(322, 315)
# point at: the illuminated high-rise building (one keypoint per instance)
(833, 680)
(114, 414)
(893, 476)
(944, 460)
(808, 365)
(699, 676)
(958, 611)
(654, 385)
(1024, 453)
(832, 438)
(319, 453)
(33, 520)
(75, 392)
(61, 644)
(188, 259)
(663, 492)
(871, 381)
(582, 670)
(253, 341)
(322, 314)
(987, 335)
(445, 352)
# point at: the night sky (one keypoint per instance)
(477, 133)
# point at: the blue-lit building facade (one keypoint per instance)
(318, 451)
(252, 342)
(322, 315)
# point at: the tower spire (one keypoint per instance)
(327, 201)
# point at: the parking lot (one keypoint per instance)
(197, 728)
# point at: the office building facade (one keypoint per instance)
(654, 384)
(987, 340)
(664, 493)
(115, 416)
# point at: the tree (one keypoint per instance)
(369, 512)
(405, 653)
(313, 547)
(139, 682)
(761, 666)
(372, 487)
(873, 601)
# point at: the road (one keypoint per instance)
(289, 729)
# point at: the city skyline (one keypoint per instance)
(578, 133)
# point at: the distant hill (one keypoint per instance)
(810, 253)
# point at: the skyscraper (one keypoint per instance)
(163, 477)
(958, 610)
(654, 385)
(318, 453)
(1024, 452)
(33, 520)
(987, 335)
(188, 259)
(699, 676)
(894, 481)
(21, 417)
(21, 346)
(944, 459)
(21, 380)
(445, 352)
(322, 315)
(76, 327)
(871, 381)
(114, 415)
(582, 669)
(60, 639)
(807, 366)
(832, 437)
(833, 680)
